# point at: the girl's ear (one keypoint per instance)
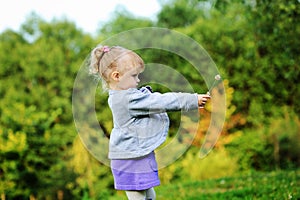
(115, 75)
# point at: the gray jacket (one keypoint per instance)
(140, 120)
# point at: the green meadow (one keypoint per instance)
(276, 185)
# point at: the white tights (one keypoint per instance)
(148, 194)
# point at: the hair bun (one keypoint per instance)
(98, 52)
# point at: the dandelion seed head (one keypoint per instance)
(217, 77)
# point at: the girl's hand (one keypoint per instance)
(202, 99)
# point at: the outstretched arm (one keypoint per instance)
(144, 103)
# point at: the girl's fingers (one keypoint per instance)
(202, 99)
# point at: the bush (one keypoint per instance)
(216, 164)
(252, 150)
(284, 136)
(275, 145)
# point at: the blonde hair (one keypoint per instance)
(104, 60)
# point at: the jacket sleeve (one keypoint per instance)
(143, 102)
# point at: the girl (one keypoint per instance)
(140, 120)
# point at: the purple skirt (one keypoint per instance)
(135, 174)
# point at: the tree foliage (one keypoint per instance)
(36, 119)
(178, 13)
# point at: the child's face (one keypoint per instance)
(127, 73)
(129, 79)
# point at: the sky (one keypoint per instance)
(86, 14)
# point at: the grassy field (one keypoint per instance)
(279, 185)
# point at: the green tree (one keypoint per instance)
(37, 78)
(181, 13)
(256, 50)
(276, 27)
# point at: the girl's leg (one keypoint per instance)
(136, 195)
(150, 194)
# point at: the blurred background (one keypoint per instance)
(255, 45)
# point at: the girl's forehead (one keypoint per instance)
(134, 70)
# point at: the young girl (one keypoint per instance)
(140, 120)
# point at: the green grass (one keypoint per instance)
(279, 185)
(274, 185)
